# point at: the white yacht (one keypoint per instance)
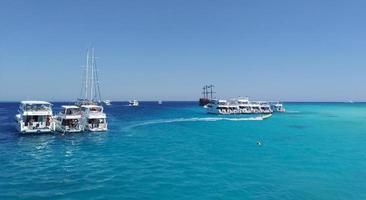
(35, 117)
(278, 107)
(133, 103)
(160, 102)
(93, 118)
(69, 119)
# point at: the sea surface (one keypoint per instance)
(177, 151)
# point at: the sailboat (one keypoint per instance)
(92, 112)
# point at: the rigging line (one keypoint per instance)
(98, 93)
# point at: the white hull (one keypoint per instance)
(65, 129)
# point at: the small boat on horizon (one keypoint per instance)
(278, 107)
(107, 102)
(133, 103)
(35, 117)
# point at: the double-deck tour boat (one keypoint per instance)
(69, 119)
(238, 106)
(93, 117)
(35, 117)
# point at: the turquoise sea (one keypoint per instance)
(177, 151)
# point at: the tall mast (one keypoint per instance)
(92, 75)
(86, 74)
(97, 88)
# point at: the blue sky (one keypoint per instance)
(148, 50)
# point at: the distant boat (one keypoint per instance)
(107, 102)
(238, 106)
(278, 107)
(160, 102)
(133, 103)
(207, 95)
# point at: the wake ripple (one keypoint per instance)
(195, 119)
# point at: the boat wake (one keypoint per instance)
(195, 119)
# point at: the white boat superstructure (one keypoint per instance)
(265, 107)
(69, 119)
(35, 117)
(244, 106)
(93, 118)
(218, 106)
(238, 106)
(133, 103)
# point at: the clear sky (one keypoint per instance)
(307, 50)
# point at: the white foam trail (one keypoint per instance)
(195, 119)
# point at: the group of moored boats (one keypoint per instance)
(37, 117)
(243, 106)
(85, 115)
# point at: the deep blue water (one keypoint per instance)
(177, 151)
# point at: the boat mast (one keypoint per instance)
(211, 92)
(92, 75)
(86, 75)
(97, 88)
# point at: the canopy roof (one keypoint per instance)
(70, 106)
(91, 106)
(35, 103)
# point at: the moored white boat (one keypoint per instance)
(35, 117)
(93, 118)
(69, 119)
